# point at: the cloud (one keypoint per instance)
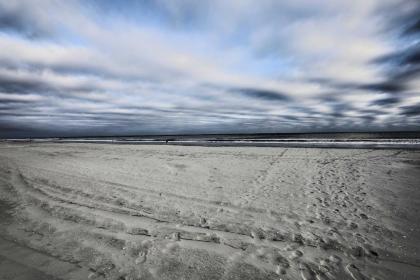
(15, 85)
(13, 97)
(263, 94)
(386, 101)
(102, 67)
(388, 86)
(412, 110)
(402, 65)
(25, 17)
(413, 28)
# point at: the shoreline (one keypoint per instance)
(408, 144)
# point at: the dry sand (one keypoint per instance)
(79, 211)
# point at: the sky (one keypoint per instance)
(76, 68)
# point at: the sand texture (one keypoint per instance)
(96, 211)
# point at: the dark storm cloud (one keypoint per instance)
(412, 110)
(402, 66)
(5, 127)
(409, 56)
(372, 111)
(11, 129)
(412, 56)
(386, 101)
(12, 103)
(291, 118)
(19, 17)
(338, 107)
(403, 62)
(393, 85)
(16, 23)
(410, 20)
(367, 118)
(262, 94)
(35, 84)
(413, 28)
(22, 86)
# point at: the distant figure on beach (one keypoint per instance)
(167, 141)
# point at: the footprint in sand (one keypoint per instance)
(141, 258)
(354, 272)
(295, 255)
(335, 259)
(305, 272)
(363, 216)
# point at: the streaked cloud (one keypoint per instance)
(121, 67)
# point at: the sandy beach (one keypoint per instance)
(79, 211)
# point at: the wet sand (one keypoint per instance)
(174, 212)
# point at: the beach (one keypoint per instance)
(109, 211)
